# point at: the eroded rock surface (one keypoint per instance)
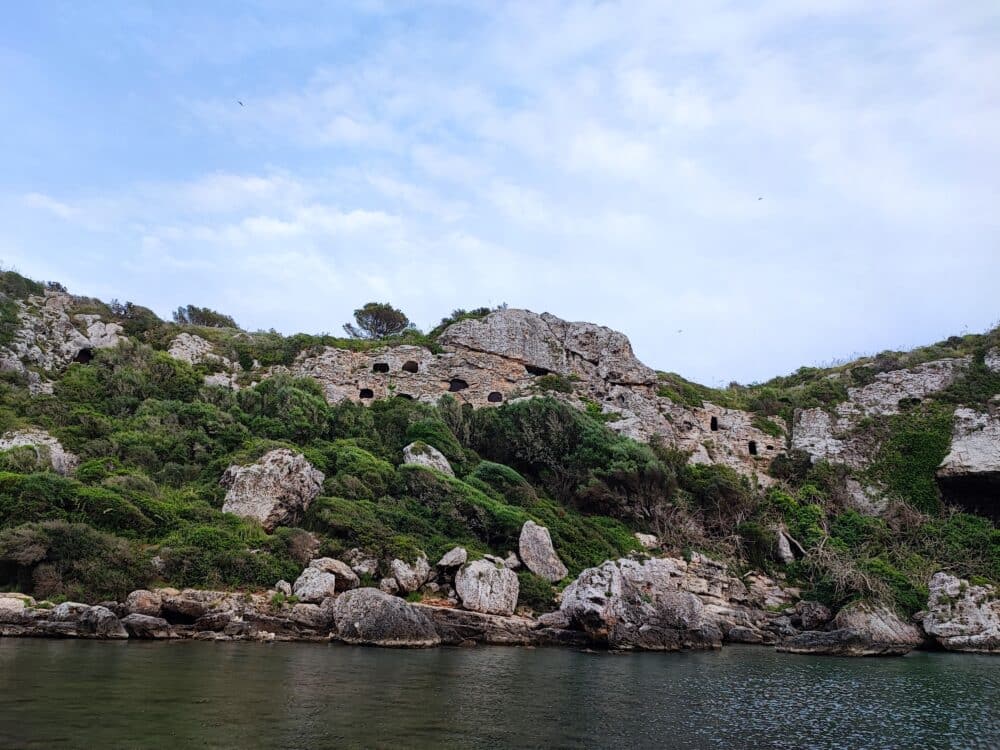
(961, 616)
(422, 454)
(368, 616)
(483, 586)
(538, 554)
(275, 490)
(48, 450)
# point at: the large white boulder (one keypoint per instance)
(371, 617)
(483, 586)
(276, 490)
(961, 616)
(422, 454)
(538, 554)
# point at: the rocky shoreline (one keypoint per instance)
(653, 604)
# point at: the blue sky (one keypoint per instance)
(741, 187)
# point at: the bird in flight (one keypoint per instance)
(239, 102)
(760, 197)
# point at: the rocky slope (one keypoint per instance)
(214, 459)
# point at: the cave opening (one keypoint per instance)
(753, 447)
(404, 396)
(533, 370)
(380, 367)
(456, 385)
(495, 397)
(974, 493)
(366, 393)
(715, 424)
(84, 356)
(410, 366)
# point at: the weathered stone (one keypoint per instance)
(409, 578)
(484, 587)
(456, 626)
(370, 617)
(969, 476)
(879, 623)
(812, 615)
(454, 558)
(843, 642)
(346, 578)
(314, 585)
(388, 586)
(361, 562)
(276, 490)
(648, 541)
(512, 561)
(784, 551)
(538, 554)
(101, 622)
(146, 627)
(961, 616)
(422, 454)
(992, 359)
(144, 602)
(48, 450)
(313, 616)
(283, 587)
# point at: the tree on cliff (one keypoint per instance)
(202, 316)
(377, 320)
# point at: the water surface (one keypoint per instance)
(87, 694)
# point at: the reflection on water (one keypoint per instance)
(78, 694)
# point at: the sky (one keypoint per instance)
(741, 187)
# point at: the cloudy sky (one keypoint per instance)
(741, 187)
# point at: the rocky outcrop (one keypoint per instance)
(538, 554)
(483, 586)
(969, 476)
(367, 616)
(409, 577)
(859, 629)
(992, 359)
(50, 336)
(48, 450)
(314, 585)
(453, 558)
(276, 490)
(144, 602)
(422, 454)
(146, 627)
(961, 616)
(346, 577)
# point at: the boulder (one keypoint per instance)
(408, 577)
(101, 622)
(146, 627)
(144, 602)
(841, 642)
(48, 450)
(512, 561)
(626, 604)
(283, 587)
(276, 490)
(315, 585)
(648, 541)
(388, 586)
(459, 626)
(538, 554)
(879, 623)
(361, 562)
(961, 616)
(371, 617)
(313, 616)
(346, 578)
(484, 587)
(422, 454)
(454, 558)
(812, 615)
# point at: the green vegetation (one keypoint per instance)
(377, 320)
(192, 315)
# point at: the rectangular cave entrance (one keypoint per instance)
(973, 493)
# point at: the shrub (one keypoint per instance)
(535, 593)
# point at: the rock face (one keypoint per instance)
(422, 454)
(346, 577)
(484, 587)
(50, 337)
(47, 449)
(963, 617)
(969, 476)
(632, 605)
(538, 554)
(859, 629)
(368, 616)
(276, 490)
(454, 558)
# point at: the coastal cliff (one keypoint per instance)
(207, 482)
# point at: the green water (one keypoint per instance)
(77, 694)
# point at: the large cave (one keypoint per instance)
(976, 493)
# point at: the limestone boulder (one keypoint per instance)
(147, 628)
(101, 622)
(346, 577)
(361, 562)
(144, 602)
(626, 604)
(48, 450)
(648, 541)
(538, 554)
(422, 454)
(812, 615)
(486, 587)
(315, 585)
(454, 558)
(961, 616)
(275, 490)
(841, 642)
(410, 577)
(371, 617)
(879, 623)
